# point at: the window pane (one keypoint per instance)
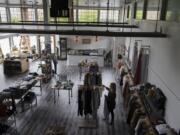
(5, 46)
(88, 3)
(75, 2)
(31, 14)
(113, 16)
(63, 19)
(15, 15)
(82, 2)
(2, 1)
(112, 3)
(3, 16)
(14, 1)
(87, 15)
(75, 19)
(103, 16)
(152, 9)
(139, 10)
(173, 12)
(17, 40)
(40, 14)
(39, 2)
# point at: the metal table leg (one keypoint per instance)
(71, 93)
(41, 86)
(69, 96)
(54, 95)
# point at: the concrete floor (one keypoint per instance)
(35, 121)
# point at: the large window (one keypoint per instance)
(40, 14)
(87, 15)
(3, 16)
(173, 10)
(153, 13)
(15, 15)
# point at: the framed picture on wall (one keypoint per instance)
(63, 48)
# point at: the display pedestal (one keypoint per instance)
(87, 123)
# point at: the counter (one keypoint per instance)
(73, 60)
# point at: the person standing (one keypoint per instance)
(55, 61)
(111, 100)
(80, 69)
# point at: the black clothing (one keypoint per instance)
(111, 103)
(80, 103)
(55, 66)
(87, 104)
(112, 116)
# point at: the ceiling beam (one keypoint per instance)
(85, 33)
(70, 25)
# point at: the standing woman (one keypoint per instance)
(111, 100)
(55, 62)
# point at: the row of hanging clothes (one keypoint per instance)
(145, 110)
(89, 100)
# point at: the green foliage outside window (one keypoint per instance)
(139, 14)
(88, 16)
(15, 19)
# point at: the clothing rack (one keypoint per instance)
(89, 99)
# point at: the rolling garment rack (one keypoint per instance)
(89, 95)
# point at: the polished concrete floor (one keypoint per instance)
(35, 121)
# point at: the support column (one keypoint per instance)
(11, 42)
(36, 11)
(46, 20)
(8, 11)
(38, 45)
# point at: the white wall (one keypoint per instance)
(164, 69)
(102, 43)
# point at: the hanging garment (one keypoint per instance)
(144, 65)
(126, 94)
(136, 104)
(111, 101)
(137, 77)
(137, 114)
(95, 102)
(98, 79)
(106, 111)
(80, 102)
(135, 58)
(87, 101)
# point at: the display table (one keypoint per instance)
(64, 85)
(15, 66)
(21, 88)
(73, 60)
